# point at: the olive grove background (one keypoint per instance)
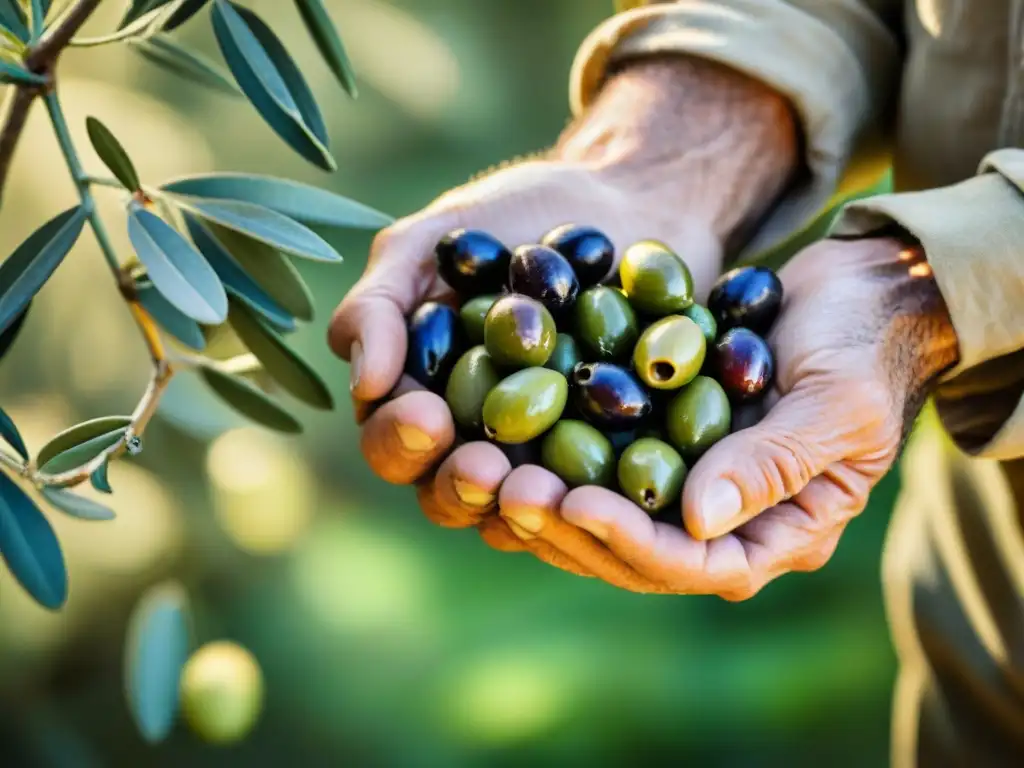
(383, 640)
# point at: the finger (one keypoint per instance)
(496, 533)
(755, 469)
(407, 436)
(529, 501)
(468, 482)
(364, 409)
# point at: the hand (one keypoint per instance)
(863, 334)
(630, 166)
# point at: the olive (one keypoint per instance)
(698, 417)
(605, 323)
(435, 343)
(588, 250)
(655, 279)
(473, 313)
(579, 454)
(651, 474)
(746, 297)
(743, 364)
(472, 262)
(472, 378)
(519, 332)
(543, 274)
(525, 405)
(609, 396)
(702, 317)
(566, 355)
(670, 353)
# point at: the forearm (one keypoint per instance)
(717, 146)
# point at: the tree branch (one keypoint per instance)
(39, 59)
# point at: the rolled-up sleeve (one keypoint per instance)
(838, 62)
(973, 235)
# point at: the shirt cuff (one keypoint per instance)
(835, 64)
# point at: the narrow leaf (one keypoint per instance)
(166, 53)
(184, 329)
(282, 364)
(302, 202)
(327, 39)
(263, 224)
(270, 80)
(13, 19)
(186, 10)
(30, 548)
(8, 337)
(156, 650)
(235, 279)
(12, 73)
(11, 435)
(77, 506)
(250, 401)
(112, 154)
(27, 269)
(99, 479)
(177, 269)
(140, 8)
(82, 435)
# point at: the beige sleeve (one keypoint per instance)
(836, 61)
(973, 235)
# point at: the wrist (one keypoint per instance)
(705, 144)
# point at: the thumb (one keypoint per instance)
(757, 468)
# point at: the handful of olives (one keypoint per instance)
(602, 385)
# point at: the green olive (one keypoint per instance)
(221, 691)
(472, 315)
(525, 405)
(698, 417)
(651, 474)
(579, 454)
(605, 322)
(565, 356)
(519, 332)
(670, 353)
(655, 279)
(702, 316)
(472, 378)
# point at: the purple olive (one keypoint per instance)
(746, 297)
(472, 262)
(435, 344)
(588, 250)
(743, 364)
(609, 396)
(543, 274)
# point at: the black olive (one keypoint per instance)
(472, 262)
(743, 364)
(543, 274)
(435, 344)
(746, 297)
(609, 396)
(587, 249)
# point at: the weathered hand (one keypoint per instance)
(863, 333)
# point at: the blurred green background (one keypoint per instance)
(384, 640)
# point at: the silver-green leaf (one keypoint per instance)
(15, 75)
(81, 443)
(302, 202)
(282, 364)
(140, 8)
(76, 506)
(30, 548)
(157, 647)
(177, 269)
(112, 154)
(10, 335)
(12, 18)
(250, 401)
(27, 269)
(186, 10)
(10, 435)
(271, 81)
(100, 480)
(327, 39)
(184, 329)
(165, 52)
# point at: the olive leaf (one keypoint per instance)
(112, 153)
(235, 279)
(30, 548)
(75, 505)
(177, 269)
(12, 18)
(271, 81)
(27, 269)
(327, 40)
(164, 52)
(156, 649)
(99, 479)
(184, 329)
(301, 202)
(8, 337)
(250, 401)
(81, 443)
(15, 75)
(10, 434)
(282, 364)
(140, 8)
(186, 10)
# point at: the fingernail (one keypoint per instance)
(414, 439)
(519, 532)
(529, 520)
(719, 506)
(594, 528)
(356, 369)
(472, 496)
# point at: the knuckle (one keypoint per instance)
(790, 466)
